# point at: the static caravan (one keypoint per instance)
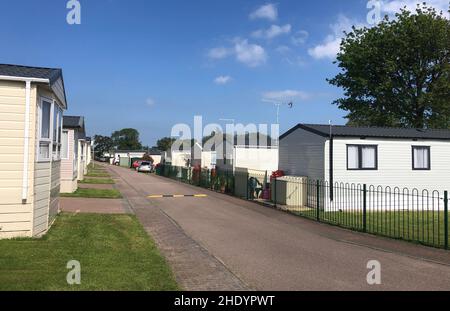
(260, 157)
(388, 157)
(177, 157)
(202, 158)
(156, 156)
(123, 157)
(73, 138)
(88, 151)
(32, 101)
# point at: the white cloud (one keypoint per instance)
(283, 49)
(219, 53)
(286, 95)
(331, 45)
(222, 80)
(300, 37)
(252, 55)
(272, 32)
(268, 11)
(150, 102)
(328, 49)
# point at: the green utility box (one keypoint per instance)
(124, 161)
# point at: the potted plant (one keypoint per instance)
(223, 184)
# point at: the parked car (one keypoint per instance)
(102, 159)
(137, 163)
(146, 167)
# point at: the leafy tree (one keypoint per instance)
(103, 144)
(148, 158)
(398, 72)
(165, 143)
(126, 139)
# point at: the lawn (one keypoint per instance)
(424, 227)
(97, 181)
(96, 174)
(114, 252)
(94, 194)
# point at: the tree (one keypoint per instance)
(126, 139)
(165, 143)
(103, 144)
(148, 157)
(398, 72)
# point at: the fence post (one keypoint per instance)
(275, 191)
(446, 218)
(248, 176)
(365, 208)
(318, 201)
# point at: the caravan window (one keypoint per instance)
(421, 158)
(362, 157)
(49, 130)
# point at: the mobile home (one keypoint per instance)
(394, 157)
(72, 153)
(262, 156)
(32, 101)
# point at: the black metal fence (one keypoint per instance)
(402, 213)
(415, 215)
(217, 180)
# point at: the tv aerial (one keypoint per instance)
(278, 105)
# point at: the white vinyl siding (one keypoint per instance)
(394, 164)
(15, 217)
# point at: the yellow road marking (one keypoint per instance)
(200, 195)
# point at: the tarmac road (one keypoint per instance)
(272, 250)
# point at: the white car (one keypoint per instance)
(145, 167)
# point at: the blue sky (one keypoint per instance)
(151, 64)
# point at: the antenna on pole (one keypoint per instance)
(330, 122)
(278, 104)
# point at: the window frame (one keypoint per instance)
(360, 158)
(67, 147)
(413, 157)
(55, 111)
(56, 141)
(45, 140)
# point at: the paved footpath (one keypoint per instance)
(224, 243)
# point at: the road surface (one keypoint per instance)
(268, 249)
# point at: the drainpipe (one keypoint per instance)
(26, 143)
(331, 178)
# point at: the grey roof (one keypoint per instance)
(73, 122)
(52, 74)
(375, 132)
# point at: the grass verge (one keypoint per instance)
(94, 194)
(425, 227)
(114, 251)
(97, 174)
(97, 181)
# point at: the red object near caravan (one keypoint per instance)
(137, 163)
(277, 174)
